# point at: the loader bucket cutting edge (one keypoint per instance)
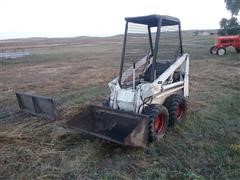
(114, 125)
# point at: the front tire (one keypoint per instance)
(221, 51)
(213, 50)
(177, 109)
(158, 122)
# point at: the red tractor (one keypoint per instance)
(225, 41)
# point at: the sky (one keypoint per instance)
(69, 18)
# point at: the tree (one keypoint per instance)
(233, 6)
(233, 27)
(223, 25)
(230, 26)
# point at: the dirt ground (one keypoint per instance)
(75, 73)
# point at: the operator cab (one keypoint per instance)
(152, 43)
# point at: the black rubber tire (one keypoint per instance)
(211, 50)
(153, 111)
(238, 50)
(221, 49)
(173, 103)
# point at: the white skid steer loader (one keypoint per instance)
(149, 95)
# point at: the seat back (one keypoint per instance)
(160, 68)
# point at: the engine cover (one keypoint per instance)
(126, 99)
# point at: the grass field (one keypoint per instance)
(75, 71)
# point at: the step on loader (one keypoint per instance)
(149, 95)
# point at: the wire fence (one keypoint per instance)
(169, 45)
(137, 51)
(140, 46)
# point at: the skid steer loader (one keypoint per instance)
(149, 95)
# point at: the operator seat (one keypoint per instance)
(160, 68)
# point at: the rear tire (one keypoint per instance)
(238, 50)
(158, 122)
(221, 51)
(177, 109)
(213, 50)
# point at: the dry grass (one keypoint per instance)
(205, 146)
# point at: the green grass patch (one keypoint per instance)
(75, 98)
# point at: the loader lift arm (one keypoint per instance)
(159, 84)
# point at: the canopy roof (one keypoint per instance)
(152, 20)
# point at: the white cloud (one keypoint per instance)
(56, 18)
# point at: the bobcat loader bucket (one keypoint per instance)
(114, 125)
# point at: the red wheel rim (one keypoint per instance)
(180, 111)
(160, 124)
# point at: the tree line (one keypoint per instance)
(231, 26)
